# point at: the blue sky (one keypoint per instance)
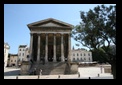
(17, 16)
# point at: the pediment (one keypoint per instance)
(50, 23)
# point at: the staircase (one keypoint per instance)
(51, 68)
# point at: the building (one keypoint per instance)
(50, 40)
(81, 55)
(6, 51)
(23, 53)
(13, 60)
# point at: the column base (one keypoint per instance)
(62, 60)
(54, 61)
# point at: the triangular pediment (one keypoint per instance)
(50, 23)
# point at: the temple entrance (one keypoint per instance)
(50, 53)
(50, 40)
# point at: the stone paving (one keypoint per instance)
(85, 73)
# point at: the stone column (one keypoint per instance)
(69, 47)
(46, 48)
(54, 49)
(62, 48)
(38, 52)
(31, 46)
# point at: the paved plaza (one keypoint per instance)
(85, 73)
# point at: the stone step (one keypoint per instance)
(50, 68)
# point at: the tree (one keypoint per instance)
(97, 31)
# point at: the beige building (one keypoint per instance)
(13, 60)
(81, 55)
(23, 53)
(26, 58)
(6, 51)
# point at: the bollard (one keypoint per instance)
(89, 77)
(59, 76)
(78, 74)
(38, 76)
(98, 75)
(16, 77)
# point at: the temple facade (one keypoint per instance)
(50, 41)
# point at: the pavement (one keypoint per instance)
(9, 71)
(85, 73)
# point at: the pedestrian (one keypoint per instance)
(101, 68)
(34, 72)
(40, 71)
(78, 74)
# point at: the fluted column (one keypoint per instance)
(62, 48)
(46, 48)
(31, 46)
(69, 47)
(38, 53)
(54, 49)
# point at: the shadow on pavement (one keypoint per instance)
(12, 73)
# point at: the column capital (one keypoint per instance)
(46, 33)
(69, 34)
(62, 34)
(39, 33)
(31, 33)
(54, 34)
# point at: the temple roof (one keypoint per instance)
(50, 22)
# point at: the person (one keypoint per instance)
(101, 68)
(78, 74)
(34, 72)
(40, 71)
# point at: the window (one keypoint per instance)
(23, 54)
(19, 49)
(84, 54)
(23, 49)
(27, 56)
(20, 54)
(89, 58)
(11, 60)
(84, 58)
(88, 54)
(15, 61)
(77, 54)
(81, 54)
(81, 59)
(73, 59)
(77, 59)
(73, 54)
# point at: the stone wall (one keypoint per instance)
(25, 68)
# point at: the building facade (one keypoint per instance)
(23, 53)
(13, 60)
(6, 51)
(81, 55)
(50, 40)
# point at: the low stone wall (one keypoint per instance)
(25, 68)
(74, 69)
(107, 70)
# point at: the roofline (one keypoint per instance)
(44, 20)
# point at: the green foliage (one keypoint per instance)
(97, 31)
